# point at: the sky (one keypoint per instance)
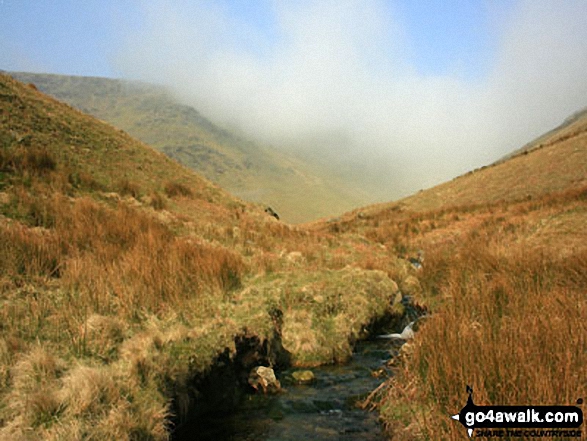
(418, 92)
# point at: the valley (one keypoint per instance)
(298, 188)
(127, 281)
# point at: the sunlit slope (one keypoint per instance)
(568, 128)
(502, 253)
(88, 154)
(296, 189)
(555, 168)
(125, 279)
(557, 163)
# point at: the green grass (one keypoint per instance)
(297, 189)
(123, 276)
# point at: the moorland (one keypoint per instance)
(125, 277)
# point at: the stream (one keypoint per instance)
(324, 410)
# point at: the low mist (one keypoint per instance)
(334, 80)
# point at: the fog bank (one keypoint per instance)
(336, 78)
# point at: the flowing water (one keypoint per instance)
(324, 410)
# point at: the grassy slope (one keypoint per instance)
(297, 190)
(567, 126)
(559, 163)
(114, 286)
(123, 275)
(505, 252)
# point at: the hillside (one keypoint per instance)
(503, 252)
(298, 190)
(569, 126)
(128, 283)
(558, 163)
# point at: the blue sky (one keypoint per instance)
(429, 89)
(84, 37)
(450, 35)
(57, 36)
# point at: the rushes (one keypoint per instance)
(81, 278)
(101, 252)
(27, 159)
(176, 189)
(512, 324)
(121, 277)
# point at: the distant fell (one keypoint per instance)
(299, 190)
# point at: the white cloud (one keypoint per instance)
(339, 72)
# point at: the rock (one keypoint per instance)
(379, 373)
(303, 377)
(415, 263)
(271, 212)
(263, 378)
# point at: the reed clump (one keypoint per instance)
(510, 320)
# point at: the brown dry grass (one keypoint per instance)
(114, 297)
(82, 277)
(506, 283)
(110, 304)
(135, 305)
(557, 165)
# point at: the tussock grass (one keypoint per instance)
(175, 189)
(34, 380)
(127, 187)
(27, 159)
(510, 314)
(104, 305)
(112, 302)
(324, 312)
(513, 326)
(157, 201)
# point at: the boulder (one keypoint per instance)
(263, 378)
(303, 377)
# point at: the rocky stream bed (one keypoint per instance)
(324, 407)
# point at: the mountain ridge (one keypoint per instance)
(128, 282)
(297, 189)
(557, 163)
(578, 118)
